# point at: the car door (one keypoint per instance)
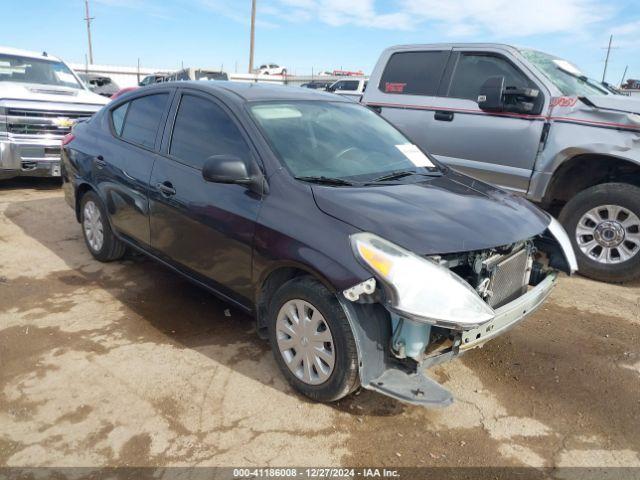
(406, 88)
(127, 152)
(204, 228)
(499, 148)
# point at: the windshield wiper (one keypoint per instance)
(583, 78)
(401, 174)
(325, 180)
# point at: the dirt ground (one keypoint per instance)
(129, 364)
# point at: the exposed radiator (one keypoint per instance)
(510, 278)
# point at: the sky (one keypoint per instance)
(319, 34)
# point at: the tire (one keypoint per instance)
(324, 386)
(612, 266)
(93, 219)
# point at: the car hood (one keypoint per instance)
(49, 93)
(620, 103)
(447, 214)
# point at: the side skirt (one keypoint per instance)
(186, 275)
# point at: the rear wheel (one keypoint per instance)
(603, 223)
(98, 236)
(312, 340)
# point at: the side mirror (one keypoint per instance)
(490, 98)
(226, 169)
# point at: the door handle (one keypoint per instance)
(443, 116)
(99, 162)
(166, 189)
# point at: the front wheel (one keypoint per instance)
(603, 223)
(312, 340)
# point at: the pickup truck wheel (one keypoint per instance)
(603, 223)
(98, 236)
(312, 340)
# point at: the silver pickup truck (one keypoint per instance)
(533, 124)
(40, 99)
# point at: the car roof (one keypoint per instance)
(420, 46)
(241, 92)
(27, 53)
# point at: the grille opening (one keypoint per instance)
(21, 121)
(53, 152)
(27, 166)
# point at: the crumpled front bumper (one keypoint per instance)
(38, 157)
(418, 389)
(509, 315)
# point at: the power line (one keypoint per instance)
(88, 20)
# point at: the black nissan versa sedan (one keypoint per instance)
(363, 260)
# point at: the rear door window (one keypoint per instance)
(141, 119)
(474, 69)
(414, 73)
(203, 129)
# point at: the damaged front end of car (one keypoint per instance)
(417, 312)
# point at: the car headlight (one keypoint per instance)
(421, 289)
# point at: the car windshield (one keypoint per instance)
(338, 140)
(564, 75)
(14, 68)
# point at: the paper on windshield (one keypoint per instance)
(567, 67)
(65, 77)
(415, 156)
(276, 112)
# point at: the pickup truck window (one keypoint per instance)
(568, 78)
(142, 119)
(14, 68)
(474, 69)
(348, 85)
(202, 129)
(414, 73)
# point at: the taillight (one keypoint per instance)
(67, 139)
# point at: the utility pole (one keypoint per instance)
(624, 75)
(253, 34)
(606, 60)
(88, 20)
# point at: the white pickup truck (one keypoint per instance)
(349, 87)
(40, 99)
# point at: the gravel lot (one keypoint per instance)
(129, 364)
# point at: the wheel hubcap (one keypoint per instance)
(92, 224)
(609, 234)
(305, 342)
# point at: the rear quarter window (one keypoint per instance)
(137, 121)
(117, 117)
(414, 73)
